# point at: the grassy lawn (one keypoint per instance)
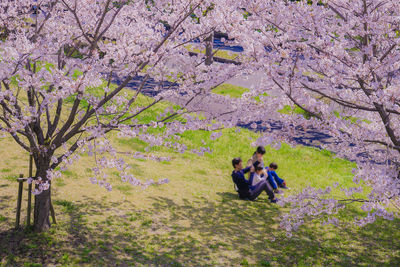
(195, 220)
(237, 91)
(230, 90)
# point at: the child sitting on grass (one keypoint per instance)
(245, 189)
(274, 179)
(258, 175)
(261, 174)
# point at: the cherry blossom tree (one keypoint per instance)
(338, 61)
(58, 64)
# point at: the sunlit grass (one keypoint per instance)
(237, 91)
(195, 220)
(230, 90)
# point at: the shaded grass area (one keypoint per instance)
(196, 232)
(195, 220)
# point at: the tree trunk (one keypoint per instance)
(209, 49)
(41, 221)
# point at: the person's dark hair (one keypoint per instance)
(236, 161)
(273, 165)
(259, 167)
(260, 150)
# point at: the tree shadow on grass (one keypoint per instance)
(196, 232)
(72, 241)
(251, 229)
(4, 201)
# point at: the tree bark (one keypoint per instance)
(41, 221)
(209, 49)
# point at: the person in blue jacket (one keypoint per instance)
(273, 178)
(245, 189)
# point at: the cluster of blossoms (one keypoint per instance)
(310, 202)
(371, 217)
(138, 155)
(136, 182)
(202, 150)
(40, 185)
(338, 62)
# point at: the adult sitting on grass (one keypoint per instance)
(274, 179)
(245, 189)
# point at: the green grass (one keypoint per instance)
(11, 178)
(237, 92)
(66, 205)
(60, 182)
(353, 120)
(196, 219)
(288, 110)
(69, 174)
(230, 90)
(124, 189)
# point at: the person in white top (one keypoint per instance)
(259, 175)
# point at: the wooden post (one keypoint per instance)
(20, 187)
(28, 216)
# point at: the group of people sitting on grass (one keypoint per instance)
(260, 178)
